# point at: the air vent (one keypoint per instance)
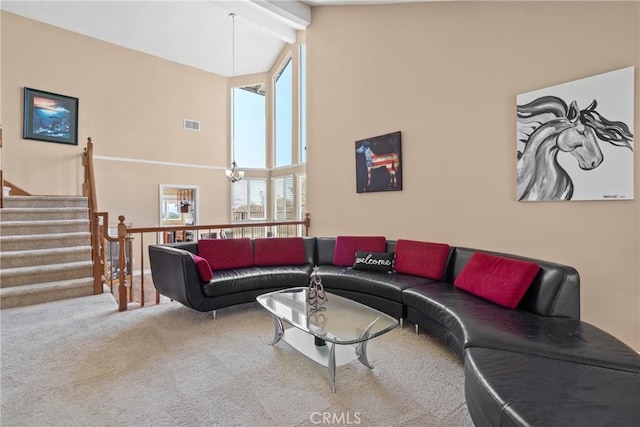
(192, 125)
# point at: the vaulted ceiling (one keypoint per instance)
(194, 33)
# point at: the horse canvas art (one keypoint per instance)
(378, 164)
(560, 145)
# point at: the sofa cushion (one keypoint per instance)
(383, 285)
(234, 281)
(480, 323)
(503, 281)
(432, 298)
(226, 254)
(346, 247)
(374, 261)
(204, 269)
(554, 292)
(279, 251)
(422, 259)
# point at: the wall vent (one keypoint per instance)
(192, 125)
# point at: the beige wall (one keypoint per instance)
(132, 105)
(446, 75)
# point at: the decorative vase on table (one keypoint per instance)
(315, 294)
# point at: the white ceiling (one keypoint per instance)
(196, 33)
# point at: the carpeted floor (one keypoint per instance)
(79, 362)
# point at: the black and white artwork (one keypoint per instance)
(575, 140)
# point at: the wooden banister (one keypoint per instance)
(89, 191)
(15, 190)
(89, 185)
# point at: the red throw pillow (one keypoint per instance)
(346, 246)
(204, 269)
(422, 259)
(503, 281)
(279, 251)
(226, 254)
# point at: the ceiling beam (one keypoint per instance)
(276, 18)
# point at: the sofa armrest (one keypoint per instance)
(175, 275)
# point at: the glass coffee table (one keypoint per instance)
(336, 334)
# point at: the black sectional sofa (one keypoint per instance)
(535, 365)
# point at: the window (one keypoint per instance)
(303, 103)
(248, 200)
(249, 124)
(302, 201)
(302, 196)
(283, 119)
(283, 198)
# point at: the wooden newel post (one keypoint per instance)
(98, 266)
(307, 224)
(122, 265)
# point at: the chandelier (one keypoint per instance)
(233, 174)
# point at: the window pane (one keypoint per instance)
(248, 199)
(303, 103)
(283, 194)
(283, 119)
(302, 196)
(249, 127)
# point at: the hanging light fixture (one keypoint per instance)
(233, 174)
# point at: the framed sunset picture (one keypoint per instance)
(50, 117)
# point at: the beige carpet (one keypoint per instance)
(79, 362)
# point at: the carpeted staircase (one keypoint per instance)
(45, 250)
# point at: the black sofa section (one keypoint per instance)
(504, 388)
(538, 364)
(175, 275)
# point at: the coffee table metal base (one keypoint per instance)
(330, 355)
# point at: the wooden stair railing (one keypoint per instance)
(97, 241)
(126, 236)
(15, 190)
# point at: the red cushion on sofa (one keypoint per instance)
(279, 251)
(346, 246)
(204, 269)
(422, 259)
(503, 281)
(225, 254)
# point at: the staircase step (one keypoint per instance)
(44, 201)
(14, 259)
(13, 228)
(44, 241)
(45, 292)
(20, 276)
(40, 214)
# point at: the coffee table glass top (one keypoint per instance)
(342, 321)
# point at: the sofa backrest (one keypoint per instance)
(309, 248)
(554, 292)
(325, 248)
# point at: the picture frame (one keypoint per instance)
(379, 163)
(50, 117)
